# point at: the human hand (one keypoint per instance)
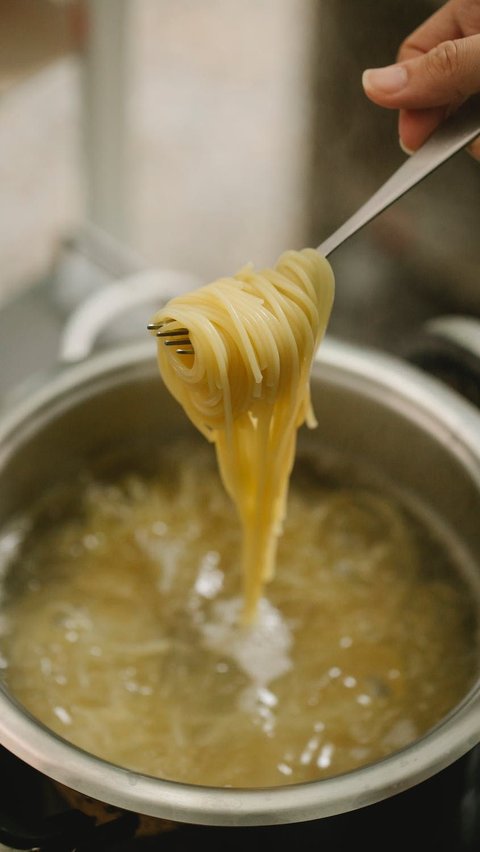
(437, 68)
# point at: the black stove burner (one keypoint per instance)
(439, 815)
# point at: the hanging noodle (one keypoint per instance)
(246, 386)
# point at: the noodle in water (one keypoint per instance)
(367, 638)
(246, 386)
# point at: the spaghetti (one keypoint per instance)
(245, 386)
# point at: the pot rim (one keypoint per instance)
(455, 423)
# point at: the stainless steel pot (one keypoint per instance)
(421, 436)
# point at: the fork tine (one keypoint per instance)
(175, 333)
(152, 326)
(184, 342)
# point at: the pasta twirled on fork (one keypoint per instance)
(245, 383)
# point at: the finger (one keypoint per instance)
(474, 149)
(441, 26)
(415, 126)
(447, 74)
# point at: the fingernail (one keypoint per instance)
(389, 80)
(404, 148)
(474, 149)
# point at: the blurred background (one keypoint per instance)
(198, 136)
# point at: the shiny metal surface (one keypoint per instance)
(423, 438)
(453, 135)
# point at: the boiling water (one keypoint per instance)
(120, 629)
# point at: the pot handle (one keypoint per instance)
(120, 311)
(116, 313)
(448, 348)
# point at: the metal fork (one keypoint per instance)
(172, 334)
(454, 134)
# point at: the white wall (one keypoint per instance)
(220, 118)
(218, 129)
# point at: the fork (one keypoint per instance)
(172, 336)
(454, 133)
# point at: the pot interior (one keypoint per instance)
(379, 424)
(398, 433)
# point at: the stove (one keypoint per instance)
(442, 814)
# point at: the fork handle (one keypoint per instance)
(455, 133)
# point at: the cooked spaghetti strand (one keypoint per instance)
(246, 387)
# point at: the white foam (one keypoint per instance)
(261, 649)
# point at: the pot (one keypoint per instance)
(421, 436)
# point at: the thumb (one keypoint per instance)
(446, 75)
